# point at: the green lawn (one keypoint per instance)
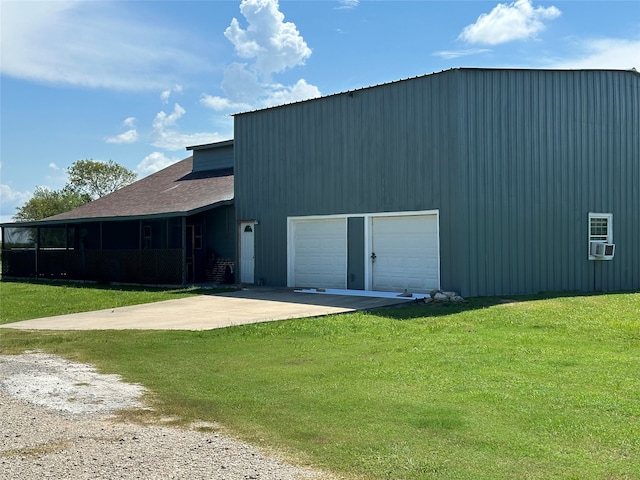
(26, 300)
(539, 389)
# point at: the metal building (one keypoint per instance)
(482, 181)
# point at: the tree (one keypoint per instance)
(88, 180)
(46, 203)
(97, 179)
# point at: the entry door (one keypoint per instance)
(247, 253)
(404, 253)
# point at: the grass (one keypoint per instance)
(26, 300)
(539, 389)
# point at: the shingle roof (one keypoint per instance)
(174, 190)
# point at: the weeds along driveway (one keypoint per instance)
(206, 312)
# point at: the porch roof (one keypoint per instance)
(173, 191)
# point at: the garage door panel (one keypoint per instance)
(406, 249)
(320, 253)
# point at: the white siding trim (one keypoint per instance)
(366, 215)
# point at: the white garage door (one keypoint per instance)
(406, 253)
(319, 253)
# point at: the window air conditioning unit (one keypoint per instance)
(602, 250)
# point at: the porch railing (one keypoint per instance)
(147, 266)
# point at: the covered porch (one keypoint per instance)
(175, 250)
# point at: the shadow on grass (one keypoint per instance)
(418, 309)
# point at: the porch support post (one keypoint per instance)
(139, 255)
(184, 250)
(3, 260)
(37, 249)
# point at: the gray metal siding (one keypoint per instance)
(390, 148)
(355, 253)
(212, 158)
(542, 149)
(513, 160)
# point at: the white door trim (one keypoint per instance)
(365, 215)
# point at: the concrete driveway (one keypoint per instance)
(206, 312)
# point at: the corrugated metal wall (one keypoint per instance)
(513, 159)
(212, 158)
(372, 150)
(542, 149)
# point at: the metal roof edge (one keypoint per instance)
(449, 70)
(206, 146)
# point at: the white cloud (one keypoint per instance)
(220, 104)
(281, 94)
(154, 162)
(54, 167)
(508, 22)
(348, 4)
(93, 44)
(168, 138)
(451, 54)
(241, 84)
(130, 136)
(246, 92)
(275, 44)
(604, 53)
(164, 96)
(173, 140)
(10, 196)
(129, 122)
(163, 120)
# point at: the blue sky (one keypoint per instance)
(138, 81)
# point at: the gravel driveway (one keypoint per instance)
(57, 422)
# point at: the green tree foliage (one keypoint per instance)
(46, 203)
(88, 180)
(97, 179)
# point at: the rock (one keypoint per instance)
(444, 297)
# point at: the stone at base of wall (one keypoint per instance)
(439, 296)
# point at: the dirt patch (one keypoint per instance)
(52, 382)
(58, 421)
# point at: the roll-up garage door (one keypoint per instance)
(319, 253)
(405, 253)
